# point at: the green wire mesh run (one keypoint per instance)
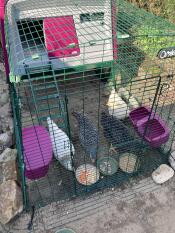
(88, 96)
(141, 35)
(48, 85)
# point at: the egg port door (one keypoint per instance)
(61, 37)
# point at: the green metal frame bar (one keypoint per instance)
(18, 133)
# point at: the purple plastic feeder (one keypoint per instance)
(37, 151)
(153, 130)
(138, 114)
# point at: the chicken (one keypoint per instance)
(118, 135)
(88, 135)
(116, 106)
(128, 98)
(62, 147)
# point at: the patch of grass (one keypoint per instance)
(164, 8)
(151, 39)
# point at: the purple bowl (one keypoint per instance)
(37, 151)
(154, 131)
(152, 128)
(37, 173)
(138, 114)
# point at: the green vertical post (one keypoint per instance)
(17, 126)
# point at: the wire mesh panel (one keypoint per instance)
(146, 47)
(115, 153)
(92, 87)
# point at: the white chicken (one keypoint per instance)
(116, 106)
(62, 146)
(128, 98)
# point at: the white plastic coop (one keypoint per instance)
(66, 33)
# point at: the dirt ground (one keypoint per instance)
(150, 213)
(143, 208)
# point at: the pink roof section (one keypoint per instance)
(2, 36)
(61, 37)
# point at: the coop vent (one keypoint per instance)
(97, 16)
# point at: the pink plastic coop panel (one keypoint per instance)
(37, 151)
(61, 37)
(2, 35)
